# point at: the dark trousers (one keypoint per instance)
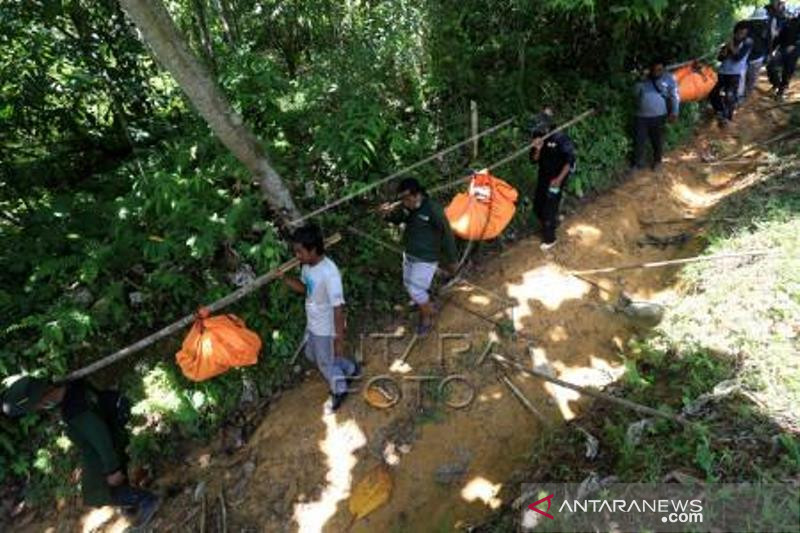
(781, 67)
(546, 206)
(725, 95)
(649, 129)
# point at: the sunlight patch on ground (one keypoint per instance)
(548, 285)
(558, 334)
(599, 374)
(101, 518)
(483, 397)
(341, 440)
(400, 366)
(585, 234)
(480, 299)
(483, 490)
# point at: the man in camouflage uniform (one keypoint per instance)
(95, 423)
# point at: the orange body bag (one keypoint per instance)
(485, 210)
(695, 82)
(215, 344)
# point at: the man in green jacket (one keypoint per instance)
(95, 423)
(427, 239)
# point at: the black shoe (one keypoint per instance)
(145, 512)
(336, 401)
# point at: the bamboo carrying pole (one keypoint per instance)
(587, 391)
(657, 264)
(401, 172)
(520, 152)
(189, 319)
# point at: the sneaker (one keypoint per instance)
(545, 246)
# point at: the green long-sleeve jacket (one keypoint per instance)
(93, 428)
(427, 236)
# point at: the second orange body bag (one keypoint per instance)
(485, 210)
(695, 82)
(215, 344)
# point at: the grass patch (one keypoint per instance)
(735, 326)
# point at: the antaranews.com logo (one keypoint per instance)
(661, 507)
(672, 511)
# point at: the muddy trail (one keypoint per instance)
(447, 465)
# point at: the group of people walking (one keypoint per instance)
(95, 419)
(770, 36)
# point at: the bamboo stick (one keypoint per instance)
(522, 399)
(400, 172)
(189, 319)
(589, 392)
(657, 264)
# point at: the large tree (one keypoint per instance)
(171, 50)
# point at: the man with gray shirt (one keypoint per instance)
(657, 101)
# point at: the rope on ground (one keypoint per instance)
(189, 319)
(657, 264)
(587, 391)
(401, 172)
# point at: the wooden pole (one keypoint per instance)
(522, 398)
(657, 264)
(589, 392)
(189, 319)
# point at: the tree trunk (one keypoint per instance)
(169, 47)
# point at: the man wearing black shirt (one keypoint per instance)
(555, 155)
(789, 50)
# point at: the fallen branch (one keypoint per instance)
(223, 511)
(682, 220)
(589, 392)
(522, 399)
(189, 319)
(769, 141)
(657, 264)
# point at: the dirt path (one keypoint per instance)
(447, 465)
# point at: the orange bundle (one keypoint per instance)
(215, 344)
(695, 82)
(485, 210)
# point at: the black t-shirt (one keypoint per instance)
(557, 151)
(758, 30)
(790, 34)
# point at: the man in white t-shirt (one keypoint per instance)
(321, 282)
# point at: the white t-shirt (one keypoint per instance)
(323, 292)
